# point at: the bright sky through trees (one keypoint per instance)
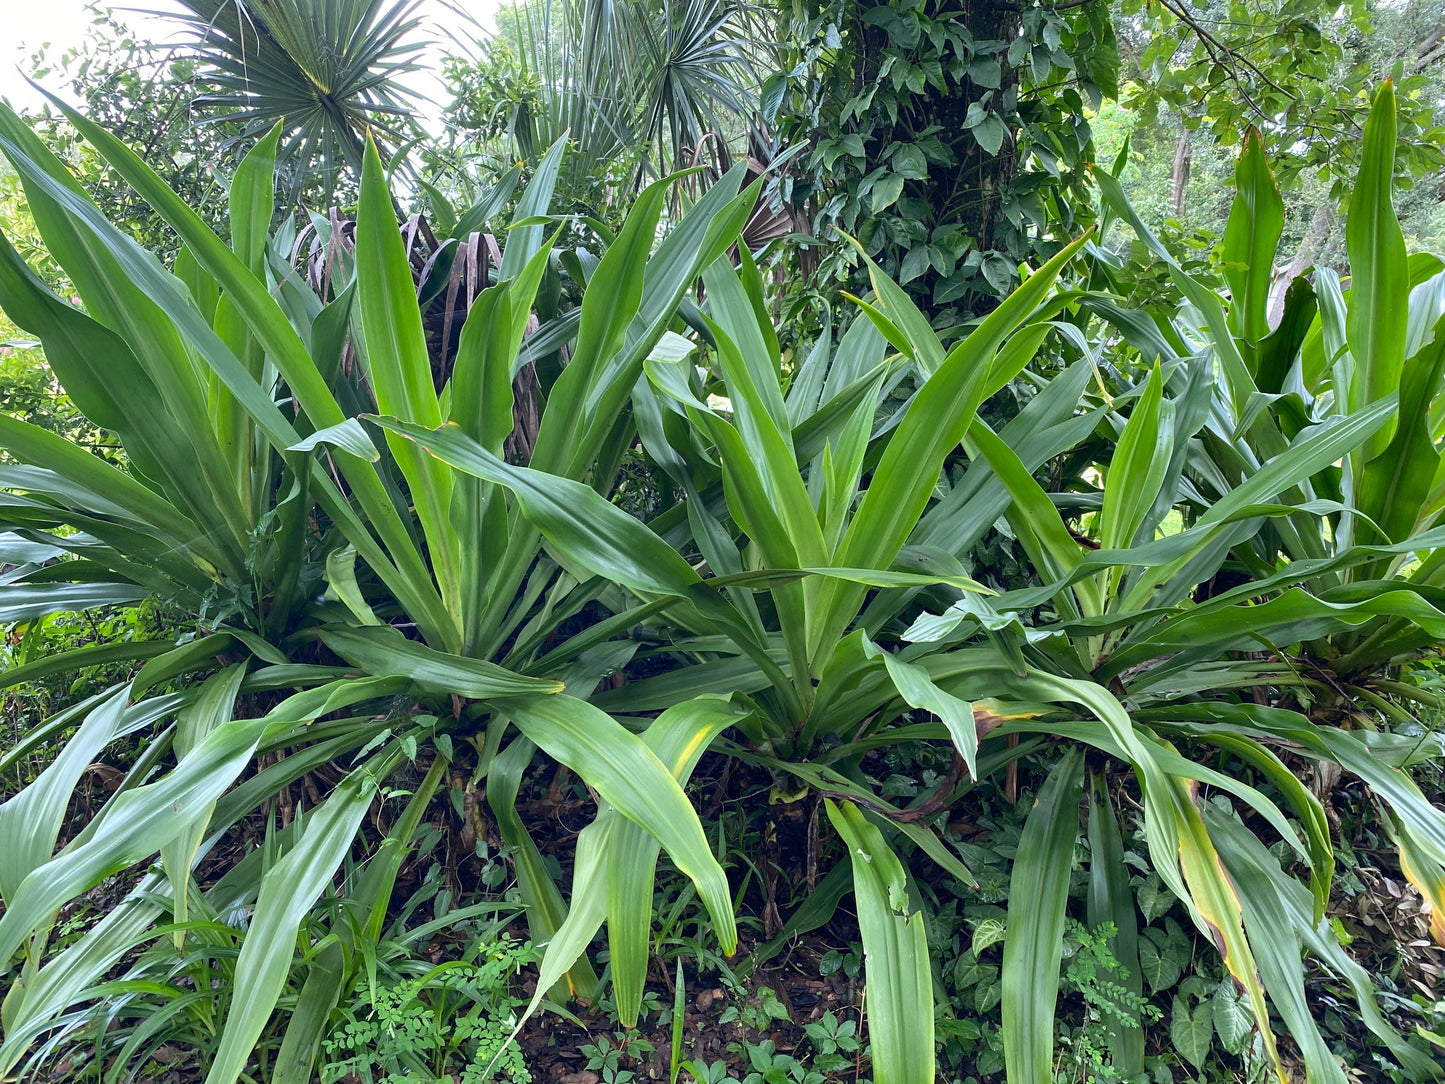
(63, 23)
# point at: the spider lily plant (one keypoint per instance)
(1286, 484)
(777, 504)
(800, 501)
(221, 376)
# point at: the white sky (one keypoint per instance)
(25, 25)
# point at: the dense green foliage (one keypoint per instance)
(953, 141)
(950, 142)
(141, 91)
(453, 511)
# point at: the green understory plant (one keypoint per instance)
(818, 560)
(803, 605)
(820, 553)
(820, 504)
(1249, 458)
(219, 373)
(1216, 431)
(456, 1018)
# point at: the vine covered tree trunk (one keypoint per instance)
(942, 136)
(983, 176)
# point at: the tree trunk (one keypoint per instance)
(1322, 224)
(1432, 48)
(1183, 159)
(974, 196)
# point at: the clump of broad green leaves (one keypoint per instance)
(807, 599)
(218, 373)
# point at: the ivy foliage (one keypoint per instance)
(948, 140)
(953, 140)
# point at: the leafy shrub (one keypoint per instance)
(224, 508)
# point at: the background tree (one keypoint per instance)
(1304, 89)
(640, 88)
(142, 90)
(329, 71)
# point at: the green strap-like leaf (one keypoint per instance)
(400, 368)
(101, 488)
(1396, 483)
(385, 652)
(1256, 220)
(399, 564)
(25, 602)
(1111, 900)
(546, 910)
(899, 991)
(1136, 469)
(1037, 522)
(1284, 904)
(122, 302)
(288, 890)
(1034, 944)
(629, 776)
(1379, 296)
(935, 423)
(211, 708)
(1276, 942)
(30, 821)
(106, 381)
(611, 300)
(82, 657)
(586, 528)
(1217, 905)
(325, 980)
(919, 691)
(1237, 377)
(131, 828)
(679, 737)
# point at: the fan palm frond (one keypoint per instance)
(329, 70)
(696, 74)
(620, 76)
